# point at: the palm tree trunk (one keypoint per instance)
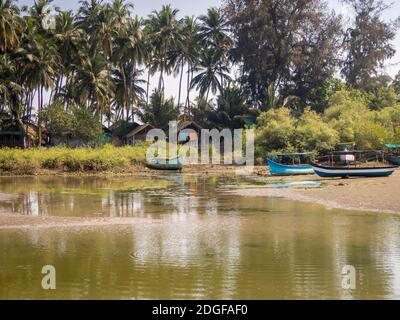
(160, 81)
(180, 84)
(148, 86)
(208, 92)
(39, 116)
(125, 92)
(188, 87)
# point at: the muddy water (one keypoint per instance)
(194, 240)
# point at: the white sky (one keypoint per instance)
(198, 7)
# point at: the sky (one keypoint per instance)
(198, 7)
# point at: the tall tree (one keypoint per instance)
(211, 75)
(214, 33)
(368, 43)
(166, 37)
(93, 85)
(11, 25)
(275, 42)
(129, 92)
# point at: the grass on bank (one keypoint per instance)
(107, 158)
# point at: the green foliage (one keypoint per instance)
(312, 133)
(385, 97)
(87, 126)
(276, 130)
(160, 111)
(80, 123)
(107, 158)
(232, 110)
(348, 118)
(58, 120)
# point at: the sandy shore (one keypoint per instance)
(375, 194)
(13, 221)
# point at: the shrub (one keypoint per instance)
(107, 158)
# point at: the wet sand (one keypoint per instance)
(13, 221)
(361, 194)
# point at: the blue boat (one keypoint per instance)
(285, 164)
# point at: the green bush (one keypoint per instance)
(107, 158)
(348, 118)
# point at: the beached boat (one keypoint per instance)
(347, 172)
(393, 156)
(346, 164)
(166, 164)
(289, 164)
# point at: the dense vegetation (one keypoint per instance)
(292, 68)
(107, 158)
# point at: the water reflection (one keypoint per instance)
(197, 243)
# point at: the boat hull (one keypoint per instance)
(278, 169)
(171, 164)
(337, 172)
(394, 160)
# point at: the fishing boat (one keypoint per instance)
(346, 164)
(393, 156)
(166, 164)
(288, 164)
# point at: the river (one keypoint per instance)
(194, 240)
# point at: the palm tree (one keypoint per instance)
(165, 36)
(37, 60)
(130, 52)
(187, 53)
(11, 26)
(92, 84)
(10, 89)
(232, 110)
(97, 21)
(128, 89)
(211, 74)
(214, 33)
(69, 42)
(214, 28)
(121, 12)
(159, 111)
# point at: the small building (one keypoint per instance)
(119, 130)
(189, 131)
(137, 135)
(13, 136)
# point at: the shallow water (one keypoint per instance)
(196, 241)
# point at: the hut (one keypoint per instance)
(137, 135)
(13, 135)
(189, 132)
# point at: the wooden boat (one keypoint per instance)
(347, 172)
(289, 164)
(346, 164)
(166, 164)
(393, 156)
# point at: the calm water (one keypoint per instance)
(196, 241)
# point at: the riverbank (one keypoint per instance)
(364, 194)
